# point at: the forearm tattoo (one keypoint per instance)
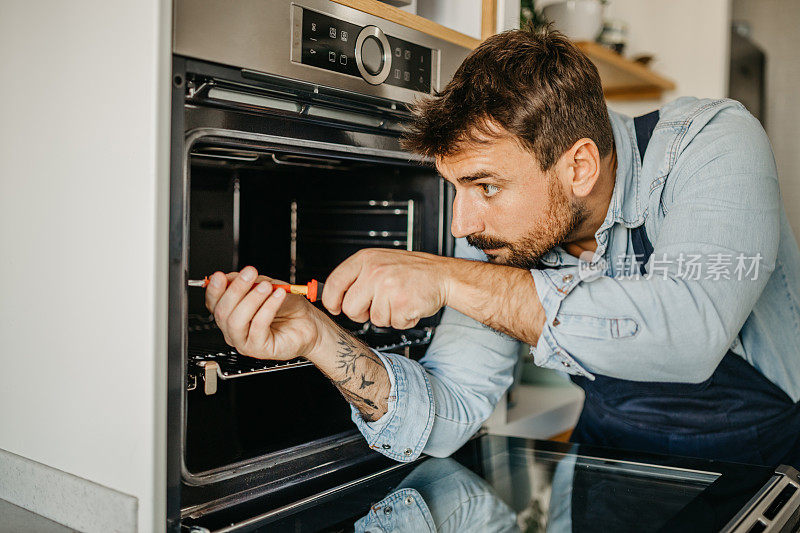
(356, 363)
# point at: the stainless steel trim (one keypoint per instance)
(307, 501)
(344, 116)
(306, 162)
(360, 242)
(296, 50)
(440, 220)
(254, 35)
(237, 202)
(290, 142)
(357, 233)
(755, 511)
(259, 463)
(269, 102)
(744, 511)
(410, 226)
(376, 32)
(293, 243)
(354, 211)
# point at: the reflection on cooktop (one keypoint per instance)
(531, 491)
(509, 484)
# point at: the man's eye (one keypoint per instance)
(489, 190)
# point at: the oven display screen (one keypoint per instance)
(329, 43)
(411, 65)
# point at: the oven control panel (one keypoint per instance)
(364, 52)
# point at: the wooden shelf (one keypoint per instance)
(622, 78)
(398, 16)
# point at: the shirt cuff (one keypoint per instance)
(552, 286)
(403, 431)
(402, 510)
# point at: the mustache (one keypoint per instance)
(484, 242)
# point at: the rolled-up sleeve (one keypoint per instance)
(552, 286)
(720, 204)
(435, 405)
(402, 432)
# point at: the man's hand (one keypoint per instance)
(396, 288)
(387, 287)
(271, 324)
(261, 322)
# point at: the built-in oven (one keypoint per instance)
(286, 155)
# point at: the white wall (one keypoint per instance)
(465, 15)
(83, 206)
(690, 42)
(774, 28)
(460, 15)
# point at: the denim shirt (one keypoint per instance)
(724, 275)
(440, 496)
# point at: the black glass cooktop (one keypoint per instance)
(510, 484)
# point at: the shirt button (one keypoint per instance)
(556, 322)
(567, 278)
(409, 500)
(386, 447)
(387, 509)
(407, 452)
(565, 364)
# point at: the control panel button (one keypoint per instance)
(372, 55)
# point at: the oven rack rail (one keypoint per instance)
(211, 360)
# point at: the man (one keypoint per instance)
(681, 322)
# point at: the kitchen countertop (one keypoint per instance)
(19, 520)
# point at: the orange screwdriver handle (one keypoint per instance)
(311, 290)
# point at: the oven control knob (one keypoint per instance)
(373, 55)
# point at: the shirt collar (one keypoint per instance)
(626, 207)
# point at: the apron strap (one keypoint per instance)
(644, 126)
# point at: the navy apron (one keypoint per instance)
(735, 415)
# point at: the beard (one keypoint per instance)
(561, 219)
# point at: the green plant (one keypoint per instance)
(530, 16)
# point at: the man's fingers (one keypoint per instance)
(357, 302)
(216, 287)
(260, 325)
(380, 313)
(238, 323)
(234, 294)
(404, 323)
(339, 281)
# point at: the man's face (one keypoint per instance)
(505, 205)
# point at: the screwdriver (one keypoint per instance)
(311, 290)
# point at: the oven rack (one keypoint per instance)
(210, 359)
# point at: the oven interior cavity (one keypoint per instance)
(294, 216)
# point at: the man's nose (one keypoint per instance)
(465, 219)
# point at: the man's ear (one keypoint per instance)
(584, 160)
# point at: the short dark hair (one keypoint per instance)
(536, 84)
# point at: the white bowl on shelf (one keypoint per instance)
(580, 20)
